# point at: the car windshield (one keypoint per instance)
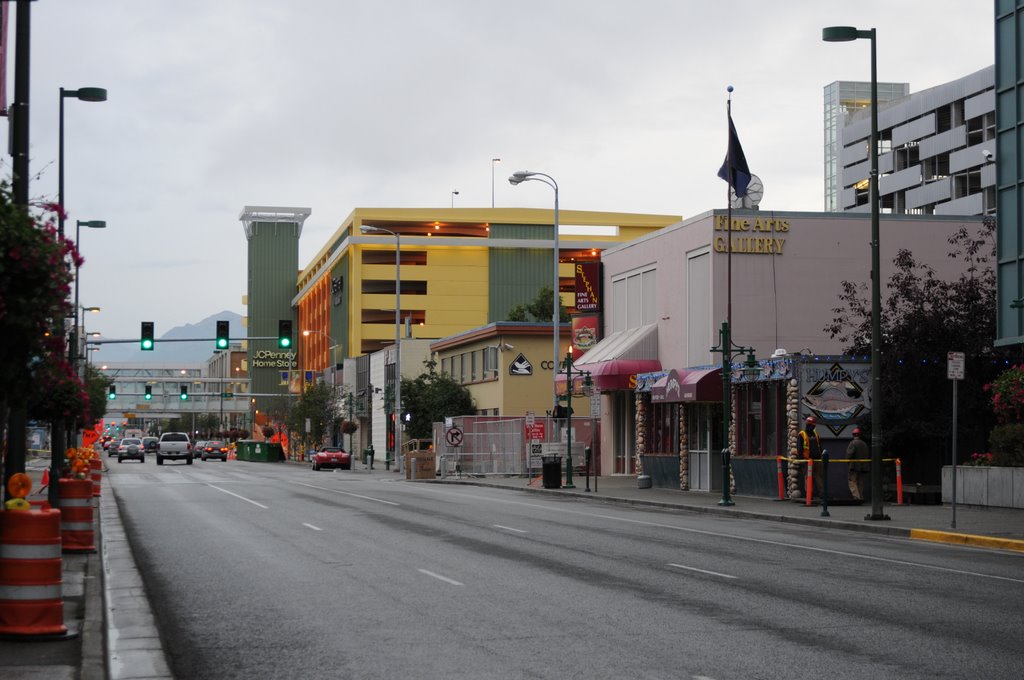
(214, 444)
(175, 437)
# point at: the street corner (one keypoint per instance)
(973, 540)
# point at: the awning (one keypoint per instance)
(684, 385)
(615, 361)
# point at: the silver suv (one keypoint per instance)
(174, 446)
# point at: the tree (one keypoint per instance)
(430, 398)
(321, 404)
(923, 318)
(538, 309)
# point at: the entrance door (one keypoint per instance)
(704, 434)
(623, 417)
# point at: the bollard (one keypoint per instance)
(899, 482)
(824, 473)
(809, 482)
(778, 467)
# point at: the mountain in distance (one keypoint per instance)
(174, 352)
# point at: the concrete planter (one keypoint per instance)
(1001, 487)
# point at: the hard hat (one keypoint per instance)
(811, 420)
(856, 431)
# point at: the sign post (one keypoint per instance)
(955, 372)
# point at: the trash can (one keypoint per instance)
(368, 456)
(551, 472)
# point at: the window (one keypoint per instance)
(633, 299)
(761, 419)
(664, 425)
(490, 362)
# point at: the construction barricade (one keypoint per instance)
(809, 478)
(31, 601)
(76, 516)
(96, 466)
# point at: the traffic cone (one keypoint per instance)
(46, 479)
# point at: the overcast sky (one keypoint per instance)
(339, 104)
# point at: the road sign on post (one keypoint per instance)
(955, 365)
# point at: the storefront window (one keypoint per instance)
(664, 429)
(761, 419)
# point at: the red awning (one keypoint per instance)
(614, 374)
(694, 384)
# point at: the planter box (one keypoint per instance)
(1001, 487)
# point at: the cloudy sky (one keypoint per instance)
(339, 104)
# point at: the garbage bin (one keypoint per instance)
(551, 472)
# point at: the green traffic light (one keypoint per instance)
(285, 342)
(222, 343)
(147, 344)
(184, 396)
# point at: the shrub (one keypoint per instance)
(1007, 442)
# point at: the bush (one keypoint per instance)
(1007, 442)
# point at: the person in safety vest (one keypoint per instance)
(856, 450)
(808, 445)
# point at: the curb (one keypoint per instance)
(968, 539)
(973, 540)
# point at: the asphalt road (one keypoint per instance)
(269, 571)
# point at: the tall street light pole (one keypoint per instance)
(58, 436)
(516, 179)
(846, 34)
(494, 161)
(91, 224)
(397, 404)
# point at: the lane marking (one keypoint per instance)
(311, 527)
(502, 526)
(439, 577)
(718, 534)
(702, 571)
(232, 493)
(347, 493)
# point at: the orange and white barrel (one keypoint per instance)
(96, 465)
(76, 516)
(30, 573)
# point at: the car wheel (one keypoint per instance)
(188, 461)
(159, 460)
(120, 459)
(316, 466)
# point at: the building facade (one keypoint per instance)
(842, 99)
(1009, 95)
(935, 153)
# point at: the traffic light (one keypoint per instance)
(223, 334)
(112, 392)
(184, 393)
(149, 392)
(147, 335)
(284, 333)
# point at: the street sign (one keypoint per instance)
(535, 431)
(955, 367)
(227, 395)
(453, 437)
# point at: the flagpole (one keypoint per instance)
(728, 207)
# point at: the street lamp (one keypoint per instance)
(516, 179)
(729, 350)
(494, 161)
(846, 34)
(91, 224)
(455, 192)
(570, 376)
(397, 404)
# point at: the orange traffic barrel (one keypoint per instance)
(30, 573)
(96, 465)
(40, 504)
(76, 527)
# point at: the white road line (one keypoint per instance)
(439, 577)
(502, 526)
(702, 571)
(312, 527)
(720, 534)
(347, 493)
(232, 493)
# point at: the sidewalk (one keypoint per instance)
(1001, 528)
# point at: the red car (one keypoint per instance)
(332, 457)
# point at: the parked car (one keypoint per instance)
(112, 447)
(131, 448)
(332, 457)
(214, 449)
(149, 444)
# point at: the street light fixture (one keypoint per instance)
(455, 192)
(397, 404)
(846, 34)
(516, 179)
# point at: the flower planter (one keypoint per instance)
(984, 486)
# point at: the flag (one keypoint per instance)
(734, 169)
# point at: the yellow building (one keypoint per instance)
(459, 269)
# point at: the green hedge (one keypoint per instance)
(1007, 442)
